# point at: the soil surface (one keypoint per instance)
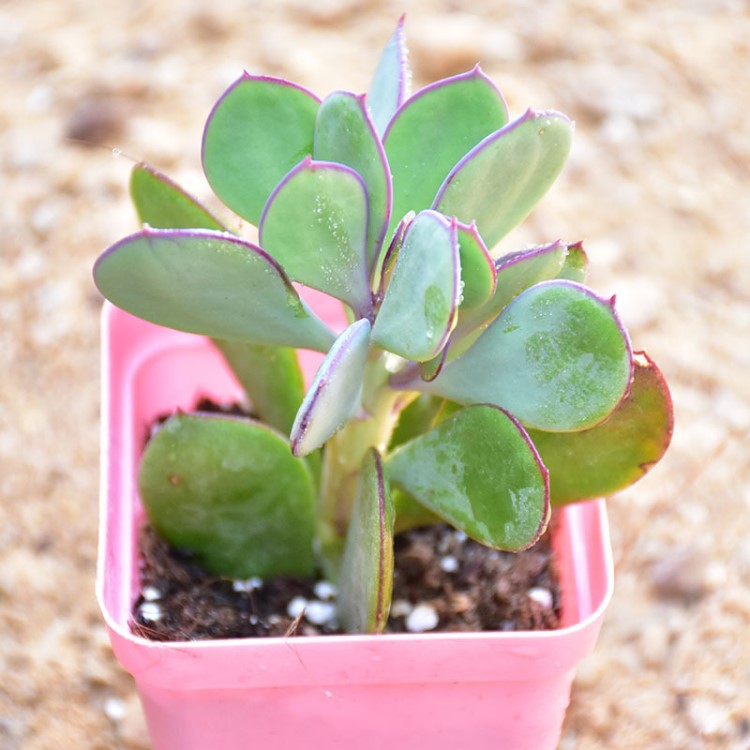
(656, 188)
(443, 582)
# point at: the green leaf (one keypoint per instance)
(271, 377)
(410, 514)
(419, 309)
(478, 275)
(500, 181)
(615, 454)
(422, 414)
(315, 226)
(576, 264)
(389, 87)
(514, 273)
(345, 134)
(517, 272)
(209, 283)
(433, 130)
(259, 129)
(229, 490)
(335, 395)
(162, 204)
(366, 577)
(557, 358)
(387, 261)
(479, 471)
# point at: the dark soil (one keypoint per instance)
(466, 585)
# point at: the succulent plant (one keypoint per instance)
(467, 388)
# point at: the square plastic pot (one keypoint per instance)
(438, 691)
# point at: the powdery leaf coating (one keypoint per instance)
(513, 274)
(432, 130)
(557, 358)
(345, 134)
(315, 226)
(499, 182)
(419, 309)
(257, 131)
(390, 83)
(209, 283)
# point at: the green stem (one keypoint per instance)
(343, 457)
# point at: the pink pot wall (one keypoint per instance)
(504, 690)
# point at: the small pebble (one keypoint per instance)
(151, 593)
(542, 596)
(685, 573)
(114, 709)
(320, 613)
(296, 606)
(325, 590)
(449, 564)
(150, 611)
(421, 619)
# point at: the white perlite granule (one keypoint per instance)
(151, 593)
(449, 564)
(401, 608)
(320, 613)
(296, 606)
(421, 619)
(325, 591)
(541, 596)
(249, 584)
(150, 611)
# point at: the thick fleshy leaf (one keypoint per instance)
(384, 270)
(390, 84)
(479, 471)
(420, 305)
(422, 414)
(514, 273)
(271, 377)
(345, 134)
(576, 265)
(478, 274)
(335, 395)
(615, 454)
(430, 369)
(229, 490)
(259, 129)
(210, 283)
(315, 226)
(557, 358)
(366, 574)
(499, 182)
(162, 204)
(433, 130)
(410, 514)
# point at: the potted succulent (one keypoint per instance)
(451, 386)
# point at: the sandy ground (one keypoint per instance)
(657, 188)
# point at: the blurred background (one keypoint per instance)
(657, 188)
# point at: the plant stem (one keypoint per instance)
(343, 457)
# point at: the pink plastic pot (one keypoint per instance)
(504, 690)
